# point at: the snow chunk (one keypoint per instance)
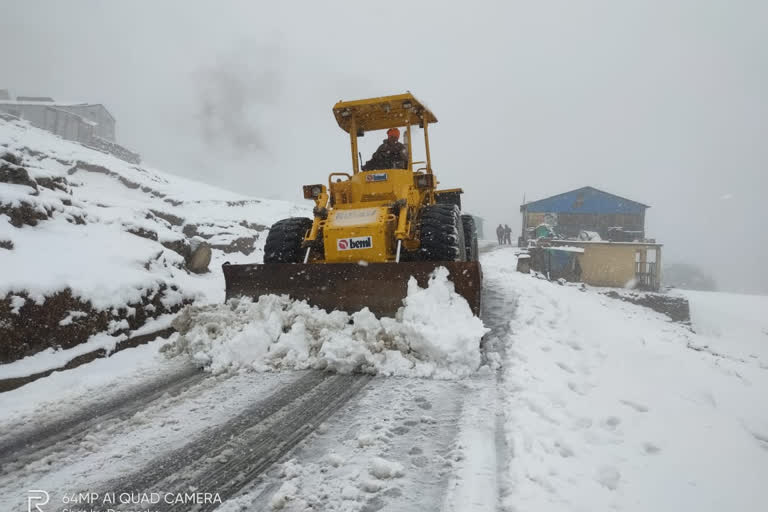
(383, 469)
(364, 440)
(72, 316)
(349, 493)
(608, 476)
(335, 460)
(17, 302)
(369, 485)
(283, 495)
(291, 469)
(117, 325)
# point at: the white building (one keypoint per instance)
(90, 124)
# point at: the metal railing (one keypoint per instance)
(646, 275)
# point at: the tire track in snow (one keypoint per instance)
(48, 438)
(415, 430)
(499, 311)
(228, 458)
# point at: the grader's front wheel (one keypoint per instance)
(442, 233)
(284, 240)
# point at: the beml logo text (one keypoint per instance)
(358, 242)
(372, 178)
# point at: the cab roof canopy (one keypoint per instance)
(383, 112)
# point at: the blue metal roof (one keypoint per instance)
(584, 200)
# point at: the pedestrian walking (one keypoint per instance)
(507, 234)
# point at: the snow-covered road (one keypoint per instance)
(399, 442)
(219, 433)
(581, 402)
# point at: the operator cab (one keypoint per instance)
(389, 113)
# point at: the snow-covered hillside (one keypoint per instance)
(90, 243)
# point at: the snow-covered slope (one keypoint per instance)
(103, 243)
(734, 325)
(610, 406)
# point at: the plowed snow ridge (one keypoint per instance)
(434, 335)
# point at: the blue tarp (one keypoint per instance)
(560, 261)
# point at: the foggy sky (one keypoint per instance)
(663, 102)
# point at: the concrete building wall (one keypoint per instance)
(65, 124)
(608, 265)
(36, 115)
(97, 113)
(70, 126)
(619, 265)
(91, 125)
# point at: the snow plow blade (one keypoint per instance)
(348, 286)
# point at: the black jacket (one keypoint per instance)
(390, 155)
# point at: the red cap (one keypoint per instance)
(393, 132)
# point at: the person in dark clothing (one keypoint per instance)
(507, 234)
(500, 234)
(392, 154)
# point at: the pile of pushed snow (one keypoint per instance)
(433, 335)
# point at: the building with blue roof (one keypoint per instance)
(589, 210)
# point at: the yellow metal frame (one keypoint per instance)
(387, 201)
(384, 112)
(380, 113)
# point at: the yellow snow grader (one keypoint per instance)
(372, 229)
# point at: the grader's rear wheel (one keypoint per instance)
(470, 237)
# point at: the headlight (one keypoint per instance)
(313, 191)
(424, 180)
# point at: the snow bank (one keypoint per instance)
(609, 406)
(433, 335)
(52, 358)
(57, 255)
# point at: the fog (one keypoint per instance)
(663, 102)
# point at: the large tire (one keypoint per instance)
(470, 237)
(442, 233)
(284, 240)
